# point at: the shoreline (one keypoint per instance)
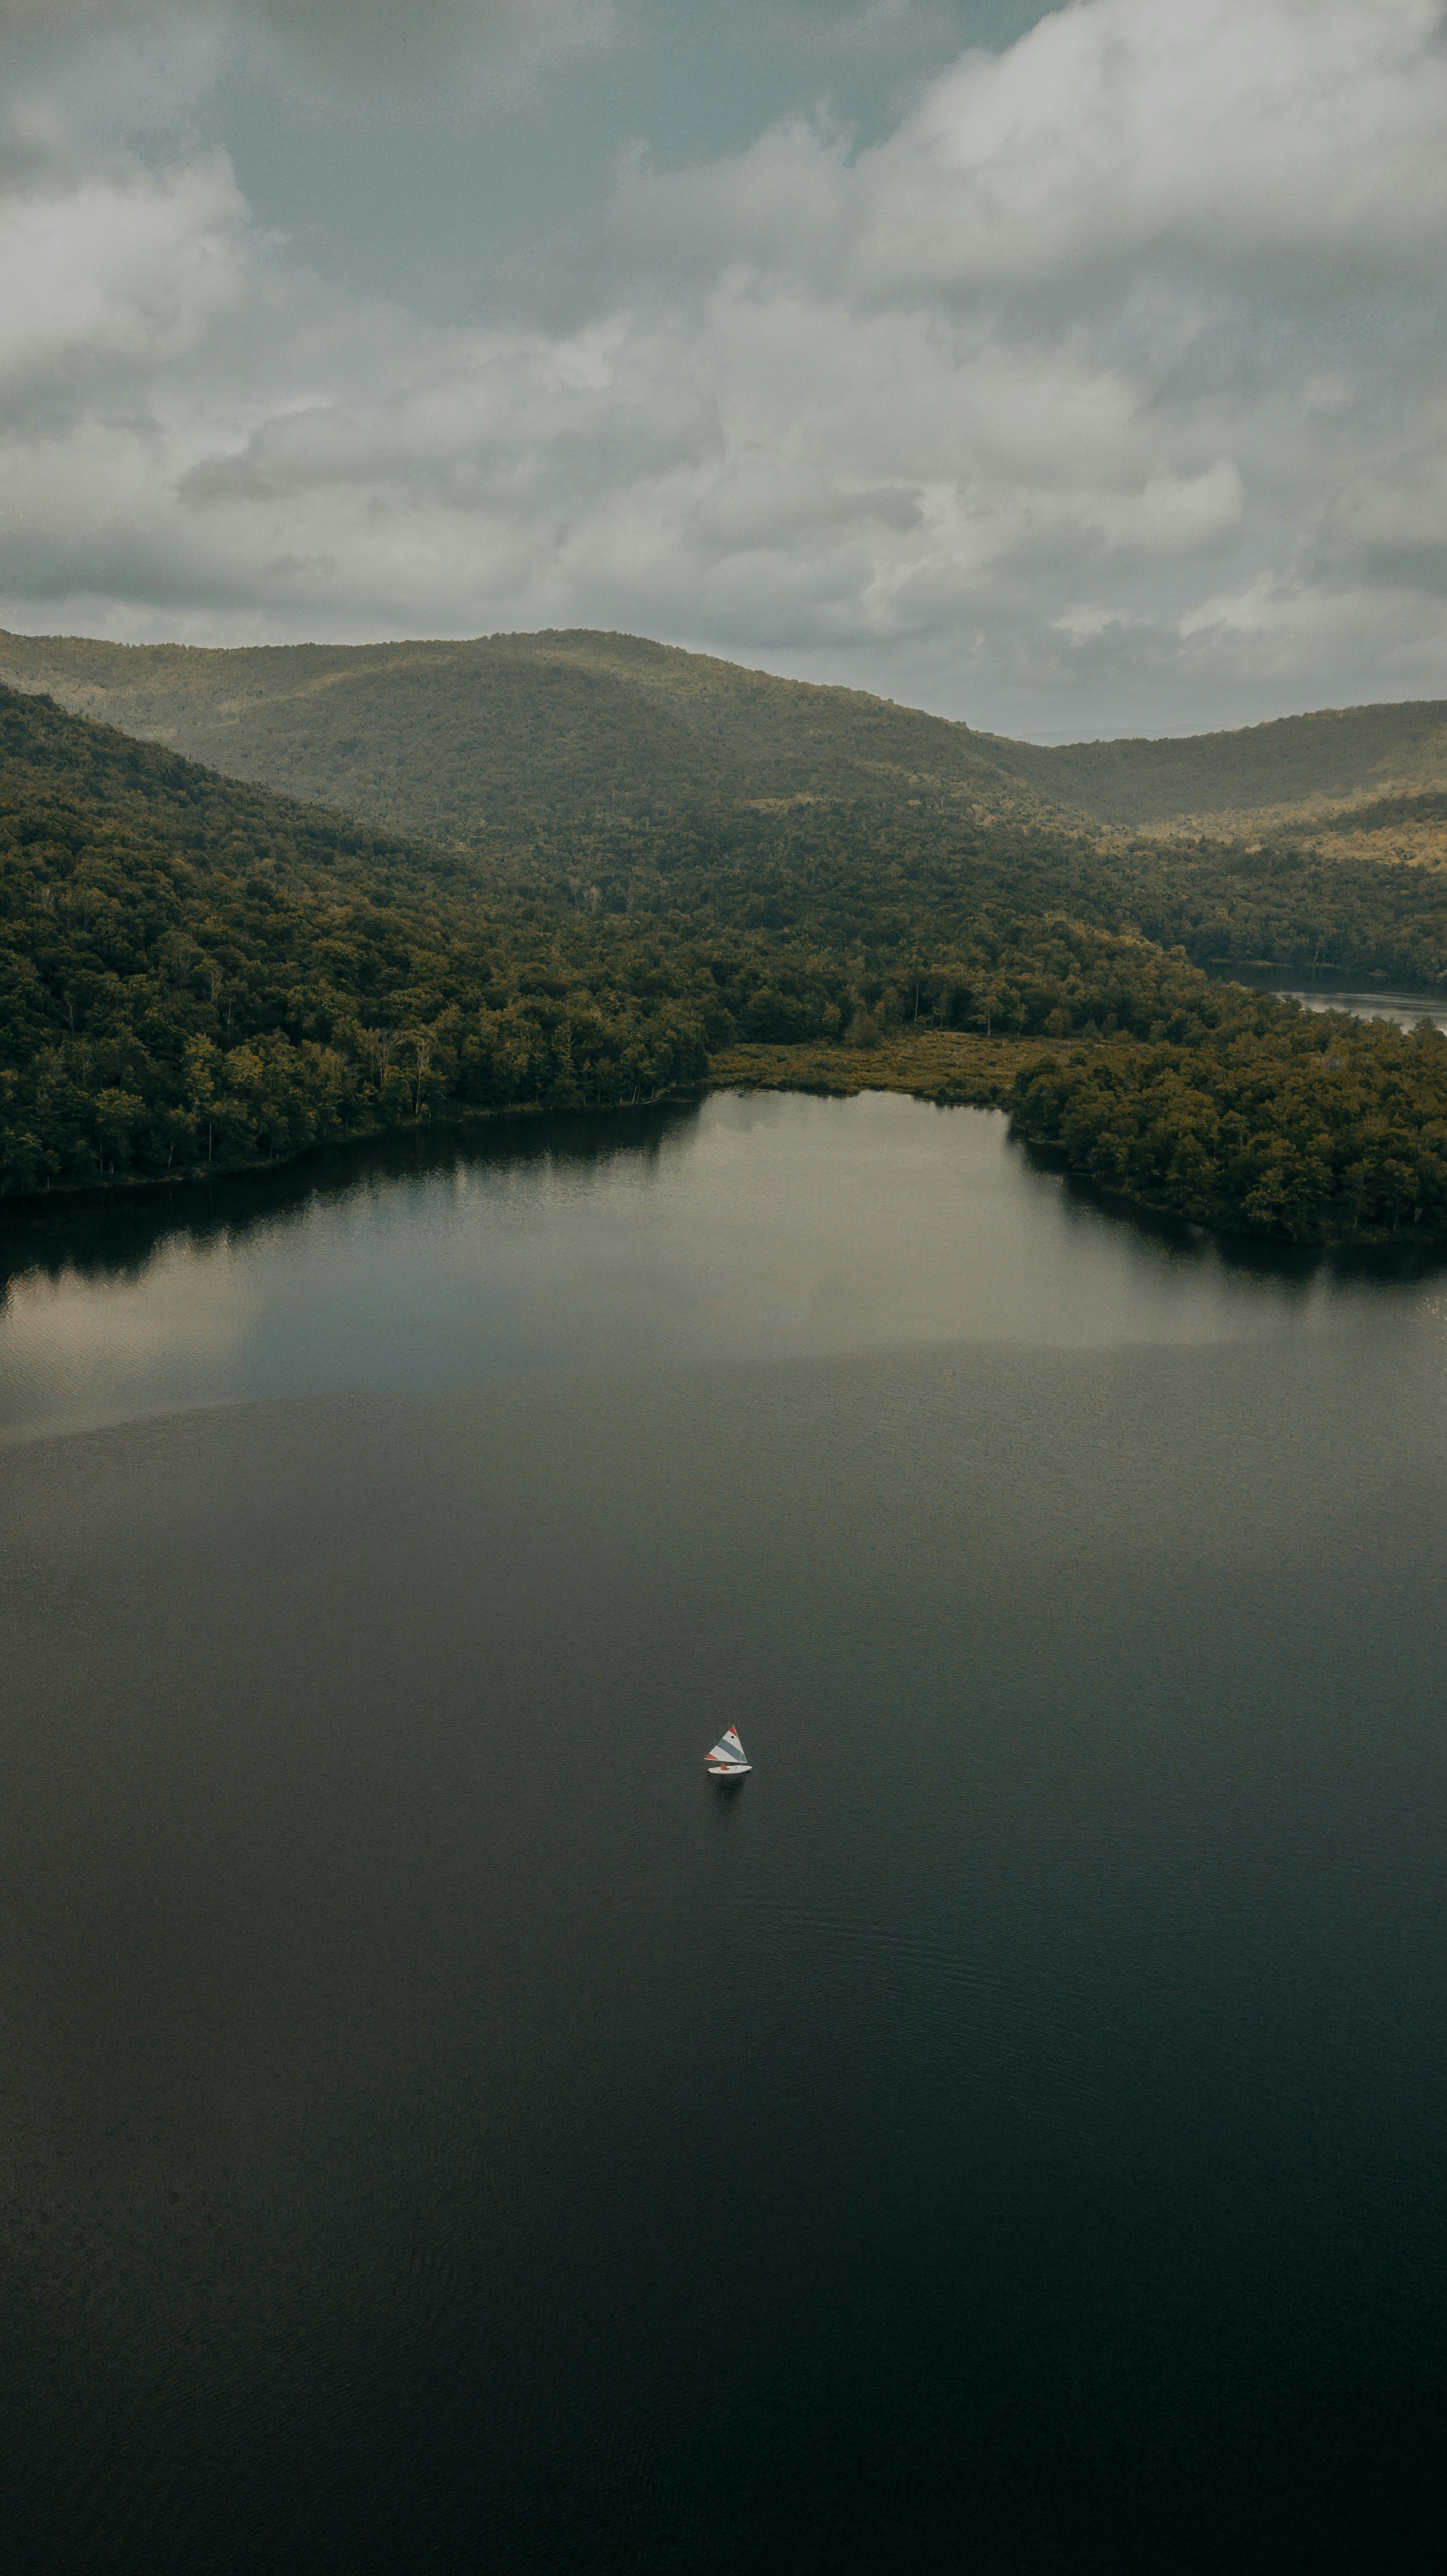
(959, 1070)
(950, 1069)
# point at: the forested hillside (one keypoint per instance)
(1300, 1125)
(901, 877)
(195, 973)
(484, 742)
(1342, 757)
(199, 975)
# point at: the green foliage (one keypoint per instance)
(483, 740)
(1284, 904)
(1316, 1127)
(198, 974)
(193, 974)
(900, 877)
(1340, 755)
(612, 774)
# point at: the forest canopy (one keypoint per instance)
(476, 740)
(196, 975)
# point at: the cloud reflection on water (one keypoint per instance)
(749, 1226)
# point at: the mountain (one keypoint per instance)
(1297, 769)
(82, 784)
(198, 975)
(466, 741)
(495, 739)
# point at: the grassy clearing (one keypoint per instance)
(934, 1067)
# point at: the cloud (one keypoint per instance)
(113, 283)
(1227, 132)
(1109, 387)
(1220, 135)
(356, 51)
(336, 53)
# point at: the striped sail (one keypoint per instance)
(728, 1748)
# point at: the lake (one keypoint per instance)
(1335, 991)
(444, 2131)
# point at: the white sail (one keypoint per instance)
(728, 1749)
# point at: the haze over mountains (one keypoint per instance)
(466, 741)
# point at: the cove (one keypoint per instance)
(763, 1224)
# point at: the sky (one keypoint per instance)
(1073, 372)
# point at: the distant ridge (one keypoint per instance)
(457, 739)
(1342, 757)
(483, 739)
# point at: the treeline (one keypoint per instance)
(198, 975)
(1318, 1128)
(1288, 904)
(891, 874)
(195, 974)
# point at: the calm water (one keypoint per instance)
(1401, 1010)
(1333, 992)
(442, 2132)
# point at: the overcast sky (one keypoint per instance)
(1072, 372)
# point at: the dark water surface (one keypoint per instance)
(441, 2131)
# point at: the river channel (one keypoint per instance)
(442, 2131)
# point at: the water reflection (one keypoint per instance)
(1400, 1010)
(1330, 991)
(1283, 1267)
(115, 1234)
(750, 1224)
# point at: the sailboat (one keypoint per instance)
(728, 1760)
